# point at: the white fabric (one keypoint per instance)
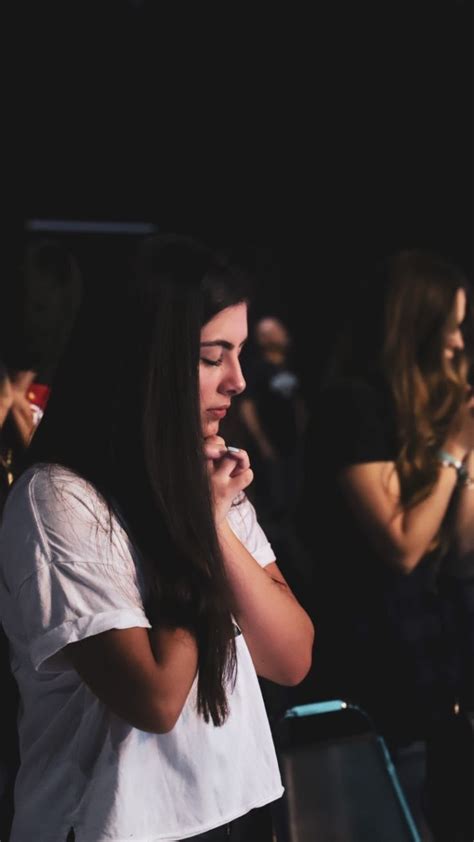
(62, 579)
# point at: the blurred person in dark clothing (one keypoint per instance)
(274, 415)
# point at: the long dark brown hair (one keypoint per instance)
(124, 414)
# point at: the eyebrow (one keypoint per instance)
(221, 343)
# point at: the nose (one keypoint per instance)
(234, 383)
(457, 340)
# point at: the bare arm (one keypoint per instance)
(6, 399)
(21, 411)
(402, 537)
(277, 630)
(144, 676)
(464, 525)
(400, 534)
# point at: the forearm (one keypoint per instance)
(6, 399)
(278, 632)
(21, 411)
(144, 676)
(420, 525)
(464, 522)
(176, 654)
(401, 535)
(23, 419)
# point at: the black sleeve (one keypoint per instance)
(353, 424)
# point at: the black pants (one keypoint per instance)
(255, 826)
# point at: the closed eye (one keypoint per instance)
(211, 362)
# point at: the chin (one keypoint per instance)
(210, 428)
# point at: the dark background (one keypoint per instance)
(307, 142)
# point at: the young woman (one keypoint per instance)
(139, 594)
(392, 446)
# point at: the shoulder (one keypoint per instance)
(52, 493)
(55, 518)
(24, 546)
(49, 510)
(353, 422)
(242, 519)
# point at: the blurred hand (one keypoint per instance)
(21, 408)
(461, 438)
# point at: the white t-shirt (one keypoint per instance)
(62, 579)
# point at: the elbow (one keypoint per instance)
(297, 670)
(155, 718)
(296, 675)
(165, 718)
(164, 725)
(305, 659)
(464, 551)
(408, 565)
(288, 673)
(394, 550)
(402, 560)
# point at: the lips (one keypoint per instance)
(218, 412)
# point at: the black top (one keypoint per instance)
(354, 424)
(274, 389)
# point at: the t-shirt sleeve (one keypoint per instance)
(242, 519)
(352, 426)
(78, 578)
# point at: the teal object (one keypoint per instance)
(316, 707)
(336, 705)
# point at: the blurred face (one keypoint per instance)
(272, 333)
(220, 375)
(453, 338)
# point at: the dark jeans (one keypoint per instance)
(255, 826)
